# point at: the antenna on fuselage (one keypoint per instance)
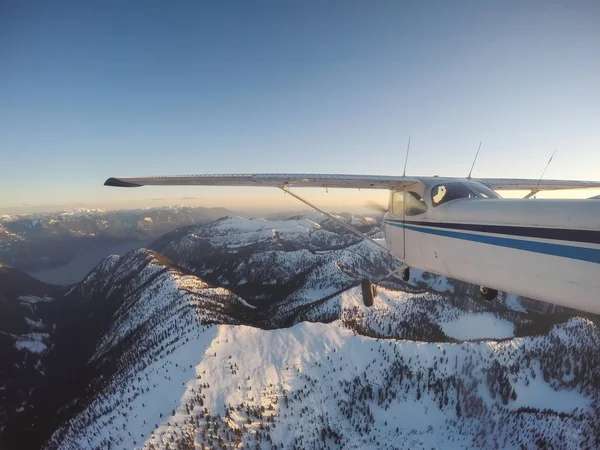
(473, 165)
(406, 159)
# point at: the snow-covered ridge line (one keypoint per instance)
(32, 299)
(300, 386)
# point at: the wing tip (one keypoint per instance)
(116, 182)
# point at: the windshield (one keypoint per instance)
(482, 191)
(446, 192)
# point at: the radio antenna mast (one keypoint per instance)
(473, 165)
(406, 160)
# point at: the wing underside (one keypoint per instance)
(269, 180)
(516, 184)
(338, 181)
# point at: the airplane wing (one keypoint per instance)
(516, 184)
(269, 180)
(336, 181)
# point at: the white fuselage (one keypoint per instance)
(548, 250)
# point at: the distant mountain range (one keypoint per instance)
(252, 333)
(37, 241)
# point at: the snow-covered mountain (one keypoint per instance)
(148, 353)
(41, 240)
(318, 385)
(125, 314)
(278, 266)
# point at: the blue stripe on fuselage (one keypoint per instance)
(546, 248)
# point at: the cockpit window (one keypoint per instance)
(482, 191)
(444, 193)
(398, 203)
(414, 204)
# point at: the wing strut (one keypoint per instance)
(332, 217)
(402, 267)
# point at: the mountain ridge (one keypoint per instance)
(112, 306)
(153, 351)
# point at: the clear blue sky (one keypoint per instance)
(90, 90)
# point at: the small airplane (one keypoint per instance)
(461, 228)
